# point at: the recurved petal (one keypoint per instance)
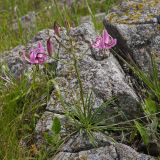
(33, 57)
(105, 36)
(111, 44)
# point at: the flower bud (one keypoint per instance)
(57, 28)
(50, 47)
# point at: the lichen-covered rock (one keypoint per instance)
(126, 153)
(105, 77)
(133, 24)
(103, 153)
(134, 11)
(78, 147)
(14, 61)
(45, 124)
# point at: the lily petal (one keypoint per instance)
(105, 41)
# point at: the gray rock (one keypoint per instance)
(27, 21)
(105, 78)
(132, 23)
(134, 11)
(14, 61)
(127, 153)
(79, 147)
(45, 123)
(81, 141)
(101, 75)
(106, 150)
(102, 153)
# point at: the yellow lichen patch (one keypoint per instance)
(111, 17)
(140, 6)
(158, 27)
(131, 12)
(135, 16)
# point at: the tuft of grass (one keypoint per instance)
(83, 117)
(148, 126)
(21, 101)
(81, 113)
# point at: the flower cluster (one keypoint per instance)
(104, 42)
(36, 55)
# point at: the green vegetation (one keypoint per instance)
(81, 113)
(23, 101)
(148, 126)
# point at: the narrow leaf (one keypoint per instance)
(56, 126)
(143, 132)
(150, 106)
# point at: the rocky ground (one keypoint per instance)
(134, 26)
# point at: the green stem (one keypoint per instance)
(78, 77)
(77, 71)
(79, 81)
(91, 13)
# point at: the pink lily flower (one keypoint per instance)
(104, 42)
(37, 55)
